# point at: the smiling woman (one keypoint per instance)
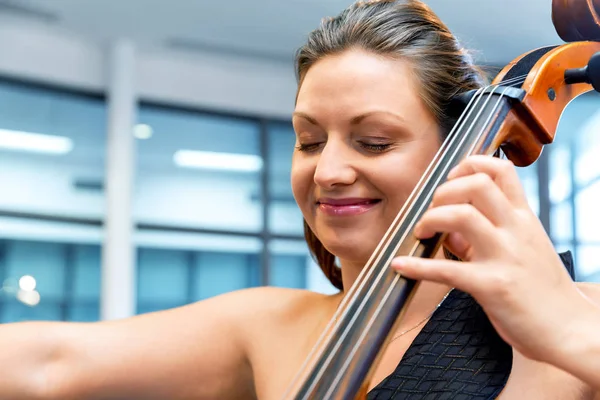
(351, 126)
(506, 320)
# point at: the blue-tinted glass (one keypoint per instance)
(292, 266)
(162, 276)
(284, 215)
(563, 246)
(583, 120)
(588, 213)
(577, 142)
(45, 262)
(86, 279)
(143, 308)
(529, 180)
(222, 198)
(559, 169)
(288, 271)
(44, 182)
(14, 311)
(561, 222)
(218, 273)
(83, 312)
(316, 279)
(587, 264)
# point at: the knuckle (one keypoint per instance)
(466, 212)
(438, 195)
(501, 283)
(506, 167)
(482, 181)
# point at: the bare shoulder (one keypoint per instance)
(266, 308)
(281, 327)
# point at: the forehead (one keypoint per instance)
(355, 81)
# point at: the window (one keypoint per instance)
(49, 281)
(199, 170)
(61, 174)
(171, 277)
(575, 185)
(284, 214)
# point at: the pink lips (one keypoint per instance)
(346, 206)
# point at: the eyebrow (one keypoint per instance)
(354, 121)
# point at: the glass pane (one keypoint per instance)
(84, 313)
(588, 213)
(162, 277)
(14, 311)
(292, 265)
(529, 180)
(563, 246)
(561, 222)
(288, 263)
(559, 167)
(43, 262)
(46, 178)
(198, 170)
(587, 265)
(583, 118)
(284, 214)
(218, 273)
(316, 279)
(86, 275)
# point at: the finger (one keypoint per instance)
(464, 219)
(458, 246)
(478, 189)
(457, 274)
(502, 172)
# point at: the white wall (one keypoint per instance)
(235, 84)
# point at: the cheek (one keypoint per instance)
(301, 179)
(404, 175)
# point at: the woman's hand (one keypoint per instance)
(510, 266)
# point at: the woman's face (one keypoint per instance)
(363, 139)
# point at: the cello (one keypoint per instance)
(518, 115)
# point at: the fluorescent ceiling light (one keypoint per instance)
(219, 161)
(34, 142)
(142, 131)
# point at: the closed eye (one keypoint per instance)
(308, 147)
(377, 148)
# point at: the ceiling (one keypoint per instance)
(498, 31)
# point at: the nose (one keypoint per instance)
(334, 167)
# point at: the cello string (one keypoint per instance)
(367, 327)
(368, 270)
(365, 272)
(327, 361)
(371, 268)
(437, 179)
(444, 149)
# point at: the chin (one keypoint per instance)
(354, 249)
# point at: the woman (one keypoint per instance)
(369, 117)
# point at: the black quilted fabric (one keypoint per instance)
(457, 355)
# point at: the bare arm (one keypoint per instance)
(194, 351)
(580, 354)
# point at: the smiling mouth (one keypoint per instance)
(346, 207)
(347, 202)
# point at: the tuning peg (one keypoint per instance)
(588, 74)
